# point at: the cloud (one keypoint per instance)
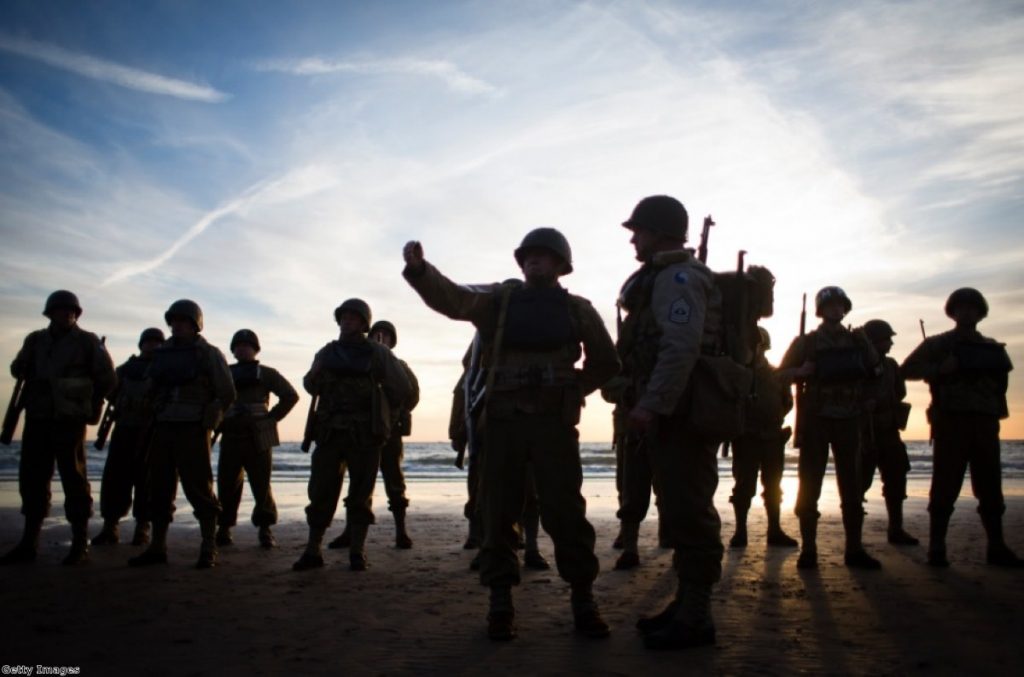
(108, 71)
(454, 77)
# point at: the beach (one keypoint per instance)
(421, 611)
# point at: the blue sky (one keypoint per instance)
(269, 160)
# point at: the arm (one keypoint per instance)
(103, 375)
(443, 295)
(395, 383)
(921, 365)
(795, 364)
(21, 365)
(600, 361)
(309, 381)
(220, 379)
(287, 398)
(414, 387)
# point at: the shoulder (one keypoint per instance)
(269, 372)
(88, 338)
(684, 274)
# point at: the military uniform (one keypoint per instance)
(393, 453)
(249, 434)
(66, 373)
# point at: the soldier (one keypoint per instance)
(67, 373)
(671, 306)
(125, 468)
(886, 416)
(359, 383)
(191, 388)
(762, 446)
(967, 374)
(393, 453)
(249, 436)
(531, 335)
(834, 365)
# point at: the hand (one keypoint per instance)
(949, 365)
(413, 255)
(640, 419)
(806, 370)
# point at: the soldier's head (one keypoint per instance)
(245, 345)
(832, 304)
(544, 255)
(384, 332)
(62, 309)
(659, 223)
(353, 317)
(966, 306)
(185, 318)
(150, 340)
(764, 340)
(880, 333)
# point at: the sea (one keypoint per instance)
(427, 461)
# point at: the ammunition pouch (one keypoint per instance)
(533, 376)
(73, 399)
(718, 391)
(404, 423)
(562, 401)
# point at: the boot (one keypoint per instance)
(664, 542)
(646, 624)
(342, 541)
(473, 536)
(208, 548)
(998, 553)
(312, 557)
(109, 534)
(357, 550)
(79, 551)
(938, 525)
(691, 624)
(402, 540)
(266, 538)
(856, 557)
(897, 536)
(141, 535)
(739, 539)
(224, 535)
(617, 543)
(630, 557)
(27, 547)
(156, 553)
(532, 559)
(585, 614)
(474, 564)
(501, 616)
(809, 550)
(776, 536)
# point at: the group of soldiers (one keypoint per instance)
(678, 391)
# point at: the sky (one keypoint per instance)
(269, 160)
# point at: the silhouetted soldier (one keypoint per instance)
(67, 373)
(968, 375)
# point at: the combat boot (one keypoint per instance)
(312, 557)
(27, 547)
(473, 536)
(224, 535)
(357, 550)
(809, 549)
(156, 553)
(664, 542)
(938, 525)
(776, 536)
(109, 534)
(998, 553)
(739, 539)
(402, 540)
(585, 614)
(79, 551)
(474, 564)
(691, 624)
(141, 535)
(266, 538)
(208, 547)
(617, 543)
(630, 557)
(896, 534)
(342, 541)
(646, 624)
(501, 615)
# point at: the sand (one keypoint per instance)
(421, 611)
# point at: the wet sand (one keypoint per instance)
(421, 611)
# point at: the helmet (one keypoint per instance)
(62, 298)
(827, 294)
(968, 296)
(766, 339)
(878, 330)
(546, 238)
(187, 309)
(245, 336)
(661, 214)
(385, 326)
(151, 334)
(357, 306)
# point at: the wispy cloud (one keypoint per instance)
(454, 77)
(108, 71)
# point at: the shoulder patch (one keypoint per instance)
(679, 312)
(681, 277)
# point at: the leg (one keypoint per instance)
(530, 521)
(746, 456)
(229, 483)
(893, 465)
(847, 454)
(363, 463)
(192, 457)
(949, 463)
(394, 486)
(773, 459)
(811, 471)
(635, 499)
(116, 486)
(162, 481)
(35, 471)
(327, 469)
(69, 445)
(986, 481)
(258, 467)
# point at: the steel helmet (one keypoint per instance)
(549, 239)
(661, 214)
(188, 309)
(151, 334)
(62, 298)
(967, 296)
(385, 326)
(827, 294)
(246, 336)
(357, 306)
(878, 330)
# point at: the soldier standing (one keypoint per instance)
(359, 383)
(834, 364)
(672, 307)
(191, 388)
(762, 447)
(532, 336)
(67, 373)
(968, 375)
(883, 447)
(249, 435)
(125, 468)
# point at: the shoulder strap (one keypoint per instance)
(499, 335)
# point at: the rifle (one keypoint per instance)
(923, 334)
(473, 397)
(14, 408)
(310, 430)
(106, 423)
(798, 401)
(705, 231)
